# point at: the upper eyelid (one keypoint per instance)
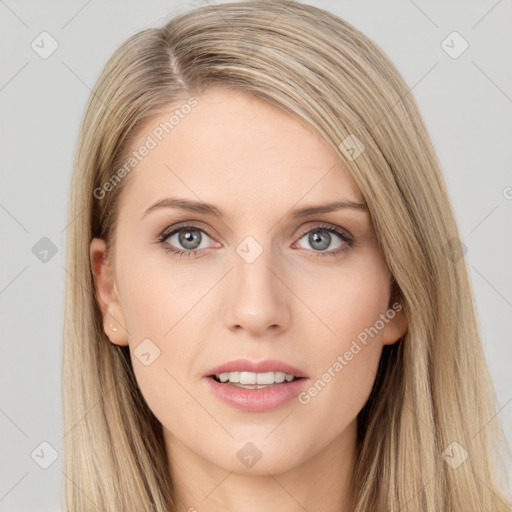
(325, 225)
(175, 228)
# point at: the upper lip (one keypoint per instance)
(263, 366)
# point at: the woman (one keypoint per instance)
(266, 305)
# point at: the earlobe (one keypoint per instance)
(106, 293)
(396, 326)
(114, 331)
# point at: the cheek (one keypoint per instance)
(346, 299)
(158, 296)
(347, 348)
(172, 306)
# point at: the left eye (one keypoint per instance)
(320, 239)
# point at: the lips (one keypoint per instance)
(264, 366)
(253, 397)
(256, 400)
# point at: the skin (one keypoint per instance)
(256, 163)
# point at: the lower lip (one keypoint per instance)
(257, 400)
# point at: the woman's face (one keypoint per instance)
(255, 281)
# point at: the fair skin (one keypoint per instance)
(256, 163)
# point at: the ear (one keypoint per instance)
(106, 293)
(396, 326)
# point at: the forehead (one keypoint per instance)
(235, 149)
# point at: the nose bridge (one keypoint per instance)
(258, 299)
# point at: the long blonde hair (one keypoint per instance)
(433, 401)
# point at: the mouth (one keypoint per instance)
(255, 392)
(252, 380)
(255, 386)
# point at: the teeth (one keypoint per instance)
(255, 378)
(280, 376)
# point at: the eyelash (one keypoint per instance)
(349, 242)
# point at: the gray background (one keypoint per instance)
(466, 103)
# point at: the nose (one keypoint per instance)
(258, 300)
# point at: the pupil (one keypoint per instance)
(320, 241)
(190, 239)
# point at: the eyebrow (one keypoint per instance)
(210, 209)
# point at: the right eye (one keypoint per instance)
(184, 240)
